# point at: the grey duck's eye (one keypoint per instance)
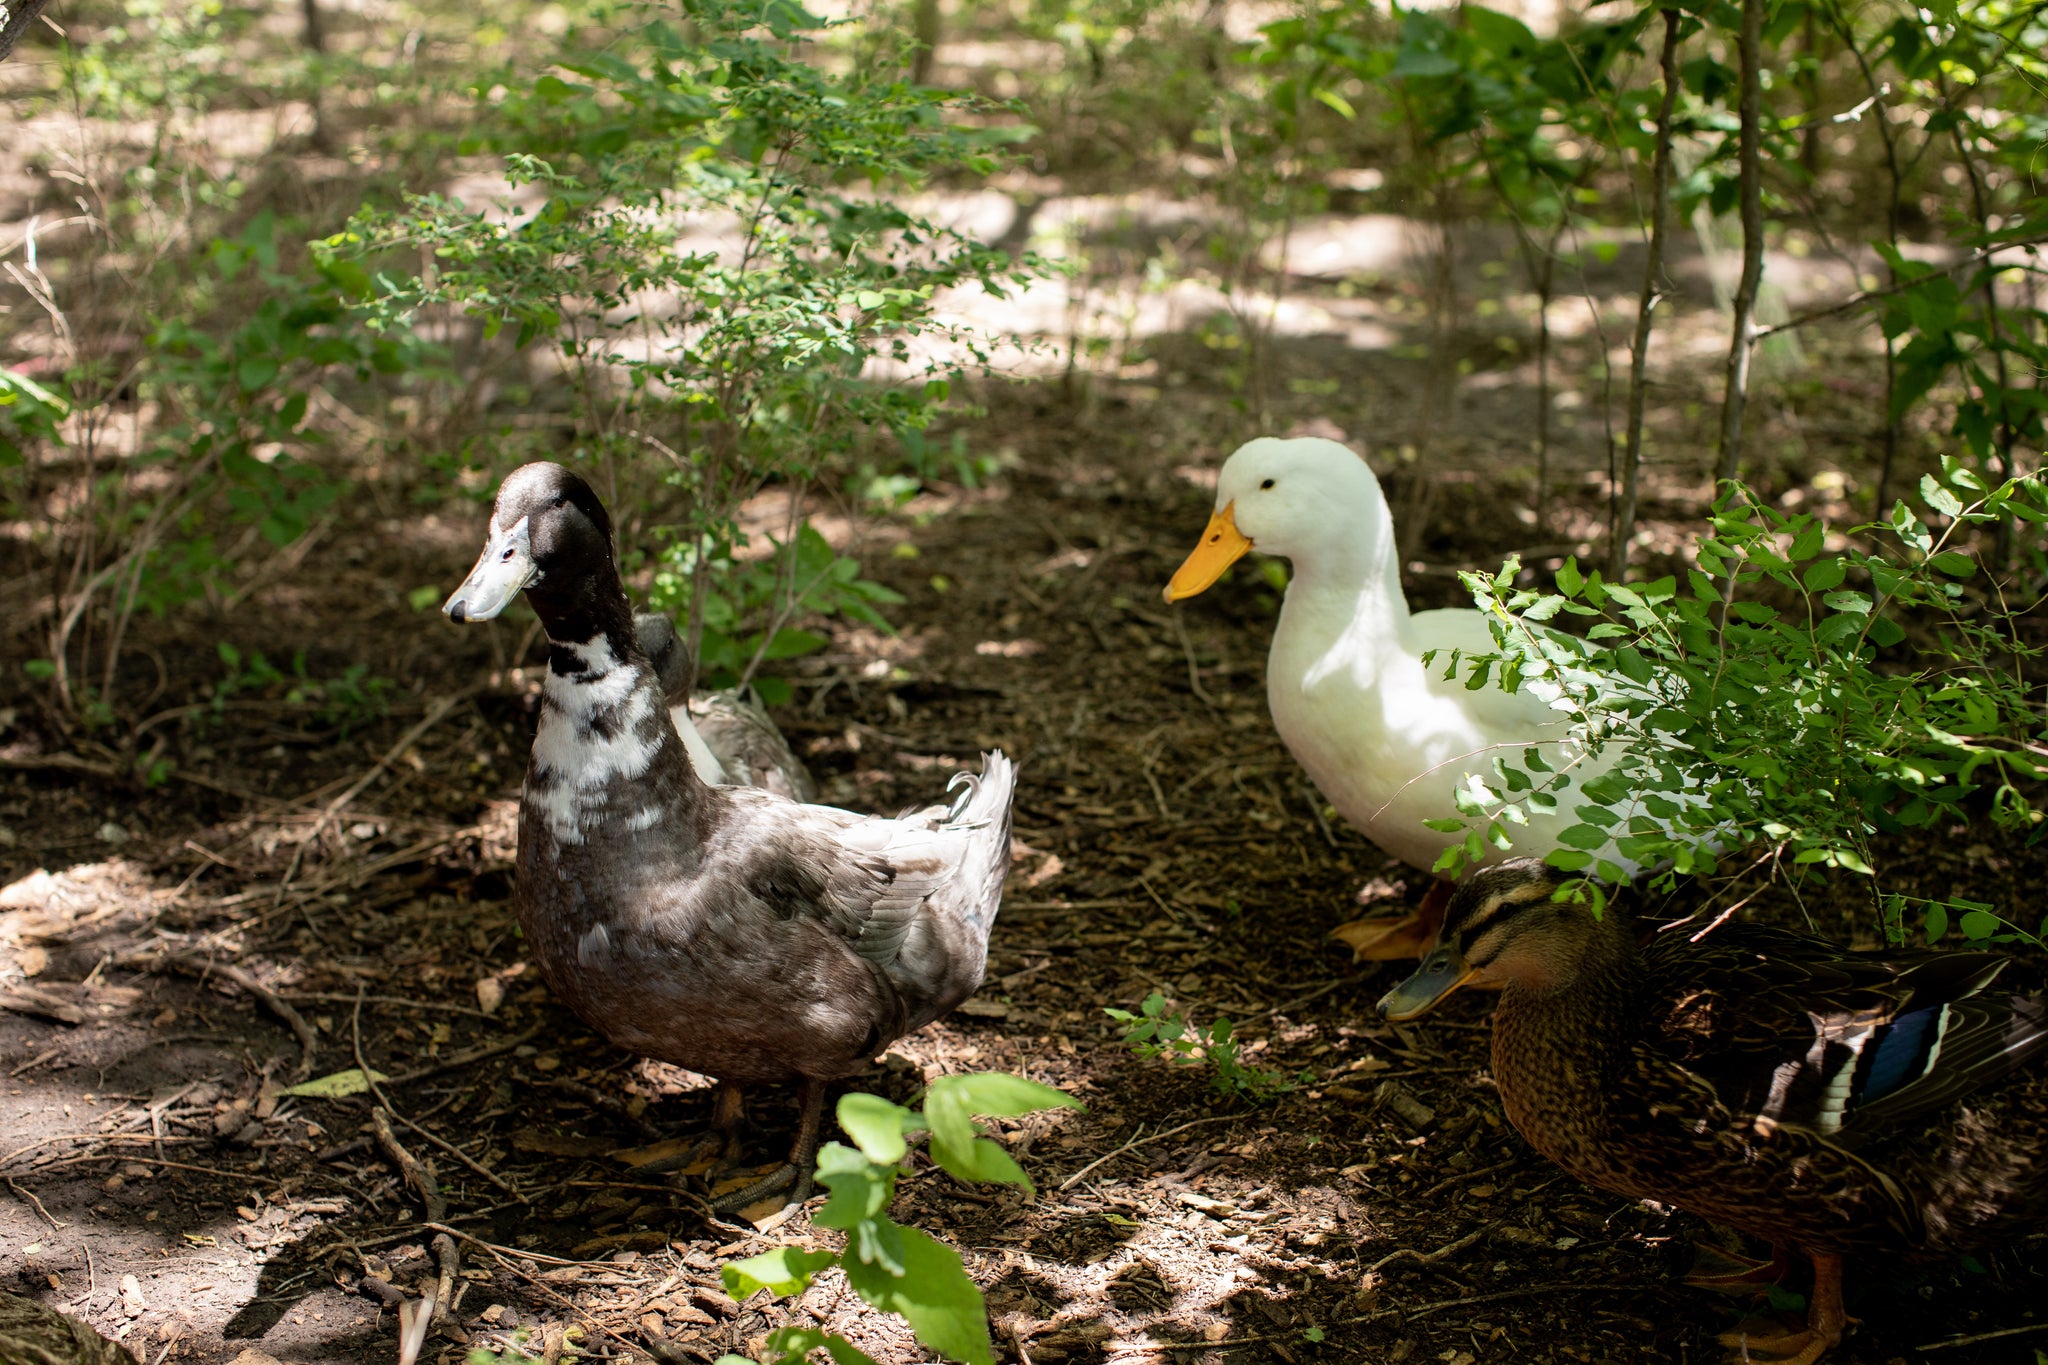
(1267, 484)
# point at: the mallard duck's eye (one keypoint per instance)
(1267, 484)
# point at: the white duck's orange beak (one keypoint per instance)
(1222, 546)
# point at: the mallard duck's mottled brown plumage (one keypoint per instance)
(31, 1334)
(1842, 1104)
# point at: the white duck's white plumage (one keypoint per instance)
(1386, 738)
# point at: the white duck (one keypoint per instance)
(1385, 738)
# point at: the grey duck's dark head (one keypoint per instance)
(551, 538)
(1505, 926)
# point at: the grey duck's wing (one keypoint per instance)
(913, 898)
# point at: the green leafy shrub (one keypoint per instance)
(898, 1269)
(1156, 1031)
(705, 372)
(1796, 692)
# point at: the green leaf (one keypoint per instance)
(1939, 498)
(1855, 603)
(419, 599)
(1582, 836)
(861, 1189)
(1937, 921)
(932, 1294)
(954, 1100)
(1978, 925)
(1825, 575)
(844, 1352)
(1953, 563)
(1337, 102)
(1570, 581)
(338, 1086)
(782, 1272)
(877, 1126)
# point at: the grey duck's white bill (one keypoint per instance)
(502, 571)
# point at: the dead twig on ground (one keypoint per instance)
(56, 1225)
(1442, 1253)
(355, 789)
(309, 1041)
(415, 1172)
(430, 1190)
(1135, 1142)
(1464, 1176)
(468, 1055)
(498, 1255)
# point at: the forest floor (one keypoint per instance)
(160, 1183)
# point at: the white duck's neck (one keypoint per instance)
(1346, 591)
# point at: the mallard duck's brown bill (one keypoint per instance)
(1222, 546)
(1441, 973)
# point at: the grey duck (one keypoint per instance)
(725, 929)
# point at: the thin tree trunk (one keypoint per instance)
(1639, 350)
(1741, 343)
(1543, 292)
(925, 25)
(1881, 117)
(21, 17)
(316, 26)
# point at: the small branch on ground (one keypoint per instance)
(1442, 1253)
(309, 1041)
(415, 1172)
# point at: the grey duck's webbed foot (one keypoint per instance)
(796, 1174)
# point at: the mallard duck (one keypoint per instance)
(1386, 738)
(731, 738)
(725, 929)
(1833, 1103)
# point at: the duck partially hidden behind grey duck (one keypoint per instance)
(725, 929)
(731, 738)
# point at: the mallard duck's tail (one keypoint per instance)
(981, 805)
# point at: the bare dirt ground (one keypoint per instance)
(160, 1185)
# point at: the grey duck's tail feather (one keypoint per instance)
(981, 804)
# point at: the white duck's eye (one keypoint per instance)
(506, 557)
(1267, 484)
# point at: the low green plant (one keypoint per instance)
(744, 620)
(897, 1269)
(351, 699)
(1796, 692)
(1156, 1031)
